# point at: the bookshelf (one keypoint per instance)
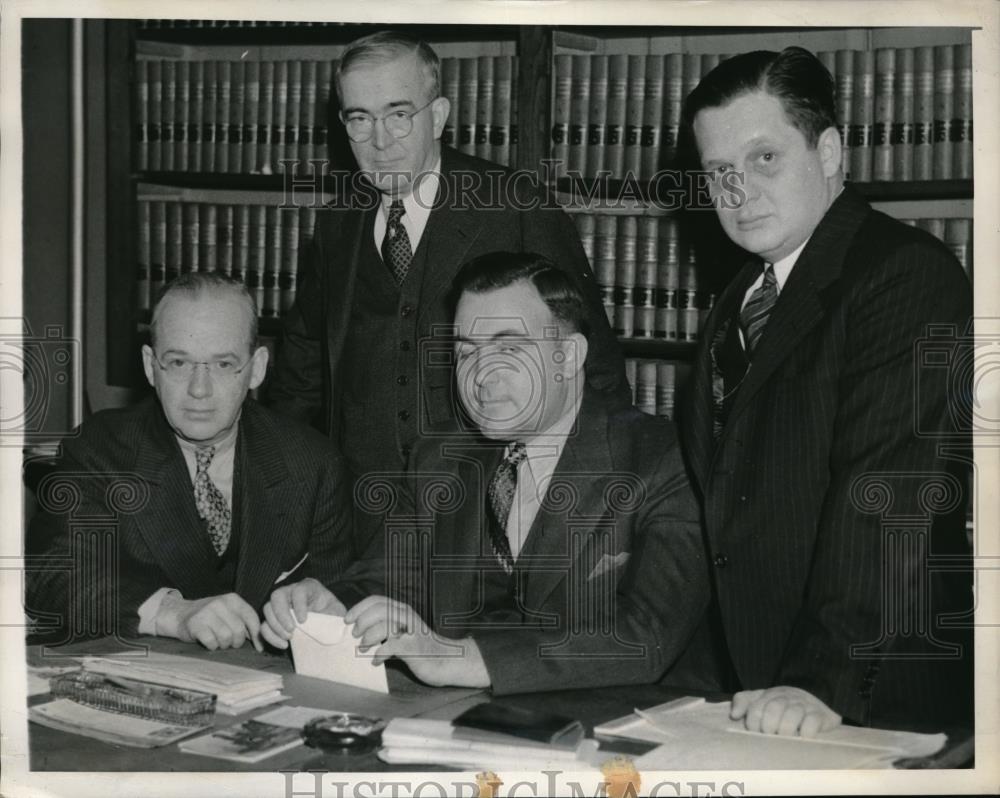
(606, 100)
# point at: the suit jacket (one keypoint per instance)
(829, 483)
(124, 476)
(611, 581)
(498, 213)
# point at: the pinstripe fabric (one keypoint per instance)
(290, 498)
(831, 398)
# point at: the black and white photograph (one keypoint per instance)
(499, 398)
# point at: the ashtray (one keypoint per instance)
(344, 733)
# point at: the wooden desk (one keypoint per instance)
(53, 750)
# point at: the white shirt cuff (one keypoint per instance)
(150, 608)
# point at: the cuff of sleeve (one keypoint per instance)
(150, 609)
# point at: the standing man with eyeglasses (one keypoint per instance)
(205, 500)
(355, 359)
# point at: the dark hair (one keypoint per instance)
(198, 283)
(794, 76)
(556, 288)
(386, 46)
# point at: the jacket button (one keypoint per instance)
(404, 346)
(721, 560)
(406, 310)
(743, 499)
(401, 379)
(404, 415)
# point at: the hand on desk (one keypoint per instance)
(402, 633)
(784, 710)
(224, 621)
(303, 597)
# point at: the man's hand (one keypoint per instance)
(783, 710)
(224, 621)
(403, 634)
(303, 597)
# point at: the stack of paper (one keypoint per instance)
(112, 727)
(236, 689)
(417, 741)
(699, 735)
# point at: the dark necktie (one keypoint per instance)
(211, 504)
(757, 310)
(501, 496)
(396, 252)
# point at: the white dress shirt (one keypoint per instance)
(417, 206)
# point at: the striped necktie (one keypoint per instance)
(396, 251)
(757, 310)
(501, 497)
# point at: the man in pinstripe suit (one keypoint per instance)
(808, 430)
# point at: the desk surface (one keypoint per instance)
(53, 750)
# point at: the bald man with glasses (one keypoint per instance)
(353, 359)
(206, 501)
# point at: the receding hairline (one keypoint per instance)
(206, 293)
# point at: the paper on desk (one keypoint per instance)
(323, 647)
(700, 735)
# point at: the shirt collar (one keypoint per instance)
(420, 200)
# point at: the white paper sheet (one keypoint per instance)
(323, 647)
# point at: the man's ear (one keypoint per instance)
(148, 364)
(440, 108)
(575, 352)
(830, 151)
(258, 366)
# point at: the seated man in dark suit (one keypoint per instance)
(558, 548)
(204, 500)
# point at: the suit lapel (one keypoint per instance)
(169, 524)
(801, 304)
(340, 293)
(574, 505)
(265, 495)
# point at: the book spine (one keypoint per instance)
(155, 130)
(307, 226)
(828, 58)
(597, 115)
(142, 111)
(585, 227)
(208, 116)
(265, 111)
(182, 117)
(885, 85)
(961, 120)
(604, 262)
(292, 113)
(673, 101)
(652, 118)
(450, 89)
(688, 316)
(321, 120)
(709, 61)
(958, 237)
(691, 74)
(144, 242)
(271, 292)
(241, 245)
(208, 238)
(644, 299)
(614, 153)
(500, 126)
(468, 100)
(633, 115)
(862, 114)
(223, 112)
(279, 112)
(902, 123)
(844, 83)
(666, 381)
(944, 103)
(563, 94)
(514, 87)
(625, 269)
(645, 389)
(484, 106)
(579, 110)
(175, 241)
(667, 279)
(923, 114)
(288, 276)
(226, 240)
(258, 257)
(168, 111)
(190, 260)
(251, 117)
(307, 117)
(632, 375)
(158, 248)
(237, 113)
(197, 115)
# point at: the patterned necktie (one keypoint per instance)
(755, 313)
(396, 252)
(210, 502)
(501, 496)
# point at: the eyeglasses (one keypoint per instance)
(399, 124)
(181, 368)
